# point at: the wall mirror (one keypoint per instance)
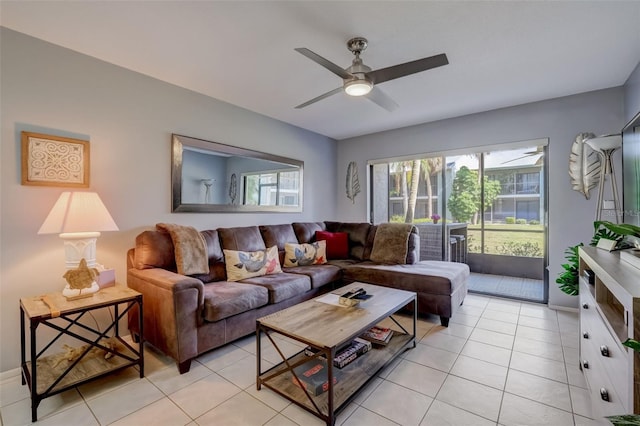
(212, 177)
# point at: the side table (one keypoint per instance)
(99, 355)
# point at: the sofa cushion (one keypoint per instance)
(278, 235)
(154, 249)
(320, 274)
(337, 244)
(305, 254)
(434, 277)
(282, 286)
(224, 299)
(359, 239)
(244, 238)
(306, 231)
(246, 264)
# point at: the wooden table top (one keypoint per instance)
(323, 322)
(35, 307)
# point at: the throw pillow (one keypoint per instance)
(305, 254)
(337, 244)
(247, 264)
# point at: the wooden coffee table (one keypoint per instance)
(327, 326)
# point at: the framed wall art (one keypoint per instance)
(54, 161)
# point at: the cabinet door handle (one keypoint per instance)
(585, 306)
(604, 350)
(604, 394)
(585, 335)
(585, 364)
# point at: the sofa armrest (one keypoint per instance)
(173, 306)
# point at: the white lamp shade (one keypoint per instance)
(605, 142)
(78, 212)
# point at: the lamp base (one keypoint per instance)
(75, 293)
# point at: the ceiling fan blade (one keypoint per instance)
(325, 63)
(382, 99)
(408, 68)
(319, 98)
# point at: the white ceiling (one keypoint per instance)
(500, 53)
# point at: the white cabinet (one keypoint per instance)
(609, 314)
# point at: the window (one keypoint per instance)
(271, 188)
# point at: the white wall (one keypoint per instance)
(570, 214)
(128, 119)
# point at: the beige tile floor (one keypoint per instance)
(499, 362)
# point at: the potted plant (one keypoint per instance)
(625, 236)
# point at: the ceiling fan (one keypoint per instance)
(360, 80)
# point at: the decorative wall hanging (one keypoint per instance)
(353, 185)
(584, 165)
(54, 161)
(233, 188)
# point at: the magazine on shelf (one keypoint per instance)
(346, 354)
(312, 376)
(378, 335)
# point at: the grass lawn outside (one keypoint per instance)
(509, 239)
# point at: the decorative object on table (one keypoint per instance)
(81, 282)
(353, 184)
(207, 189)
(79, 217)
(605, 244)
(435, 218)
(625, 234)
(584, 165)
(353, 297)
(605, 146)
(233, 188)
(54, 161)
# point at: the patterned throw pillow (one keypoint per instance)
(305, 254)
(247, 264)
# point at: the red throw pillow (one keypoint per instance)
(337, 244)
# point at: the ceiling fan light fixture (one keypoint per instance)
(358, 87)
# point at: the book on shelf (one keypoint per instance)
(312, 376)
(346, 354)
(378, 335)
(350, 353)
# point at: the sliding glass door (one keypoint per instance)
(486, 209)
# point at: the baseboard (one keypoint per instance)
(563, 308)
(9, 374)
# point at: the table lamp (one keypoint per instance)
(605, 146)
(79, 217)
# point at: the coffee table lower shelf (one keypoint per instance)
(352, 378)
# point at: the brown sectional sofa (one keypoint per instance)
(185, 316)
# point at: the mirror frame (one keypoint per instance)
(178, 142)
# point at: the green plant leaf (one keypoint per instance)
(625, 420)
(633, 344)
